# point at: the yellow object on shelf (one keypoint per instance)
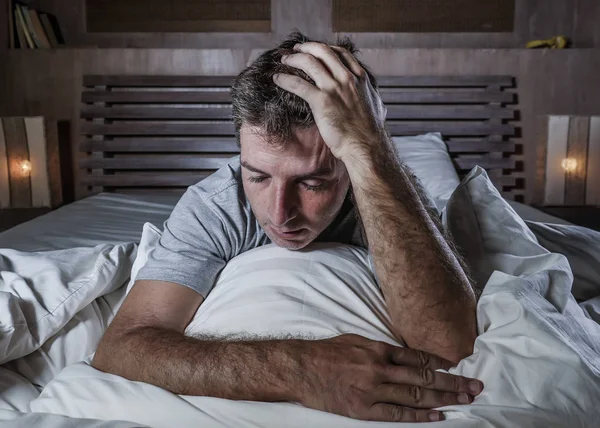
(556, 42)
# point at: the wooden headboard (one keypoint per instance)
(143, 133)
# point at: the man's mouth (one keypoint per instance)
(287, 234)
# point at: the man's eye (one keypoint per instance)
(256, 179)
(313, 186)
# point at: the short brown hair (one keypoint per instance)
(257, 101)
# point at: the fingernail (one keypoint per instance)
(474, 387)
(434, 416)
(284, 57)
(297, 46)
(463, 398)
(276, 76)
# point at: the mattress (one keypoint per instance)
(112, 218)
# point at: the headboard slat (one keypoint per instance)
(445, 81)
(170, 144)
(225, 81)
(158, 81)
(227, 128)
(388, 95)
(394, 112)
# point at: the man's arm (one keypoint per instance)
(146, 342)
(429, 296)
(348, 374)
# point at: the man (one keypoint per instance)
(316, 164)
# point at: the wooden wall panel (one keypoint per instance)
(119, 16)
(313, 17)
(577, 19)
(423, 16)
(36, 141)
(558, 138)
(17, 152)
(572, 160)
(4, 177)
(25, 139)
(577, 145)
(592, 194)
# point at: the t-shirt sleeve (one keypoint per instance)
(194, 246)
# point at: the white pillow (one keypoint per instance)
(428, 157)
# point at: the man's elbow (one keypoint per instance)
(107, 353)
(465, 339)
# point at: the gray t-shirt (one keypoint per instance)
(212, 223)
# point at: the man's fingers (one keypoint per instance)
(354, 66)
(428, 378)
(349, 61)
(329, 58)
(386, 412)
(413, 358)
(418, 397)
(311, 66)
(297, 85)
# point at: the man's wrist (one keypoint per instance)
(363, 160)
(294, 356)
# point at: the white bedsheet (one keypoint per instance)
(106, 218)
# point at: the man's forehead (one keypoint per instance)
(306, 151)
(302, 142)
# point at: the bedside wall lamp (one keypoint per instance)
(572, 171)
(25, 168)
(29, 163)
(569, 164)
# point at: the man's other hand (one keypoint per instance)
(364, 379)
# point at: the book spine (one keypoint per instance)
(23, 27)
(29, 22)
(39, 29)
(20, 34)
(49, 30)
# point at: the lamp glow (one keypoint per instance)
(25, 167)
(569, 164)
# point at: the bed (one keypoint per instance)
(87, 254)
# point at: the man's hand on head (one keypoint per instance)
(347, 109)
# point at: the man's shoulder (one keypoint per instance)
(221, 190)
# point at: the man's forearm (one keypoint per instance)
(428, 294)
(242, 370)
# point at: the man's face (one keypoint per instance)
(295, 189)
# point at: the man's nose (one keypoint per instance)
(283, 206)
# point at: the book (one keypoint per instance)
(52, 28)
(27, 15)
(23, 28)
(39, 29)
(21, 41)
(49, 30)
